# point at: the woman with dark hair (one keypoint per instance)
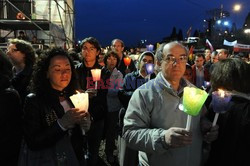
(232, 146)
(52, 127)
(10, 116)
(111, 61)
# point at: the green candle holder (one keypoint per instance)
(193, 100)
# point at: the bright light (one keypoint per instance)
(237, 7)
(226, 23)
(247, 31)
(219, 22)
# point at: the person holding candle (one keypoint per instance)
(118, 46)
(132, 81)
(232, 146)
(97, 96)
(52, 126)
(111, 61)
(154, 123)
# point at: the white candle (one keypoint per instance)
(96, 74)
(80, 101)
(188, 124)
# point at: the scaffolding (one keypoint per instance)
(53, 21)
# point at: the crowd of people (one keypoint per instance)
(134, 109)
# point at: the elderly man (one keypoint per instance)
(154, 123)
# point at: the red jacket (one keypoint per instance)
(206, 74)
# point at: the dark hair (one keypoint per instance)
(109, 54)
(231, 74)
(92, 41)
(5, 65)
(40, 83)
(188, 66)
(200, 55)
(25, 48)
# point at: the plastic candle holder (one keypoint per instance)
(96, 74)
(80, 101)
(149, 68)
(220, 100)
(127, 61)
(193, 100)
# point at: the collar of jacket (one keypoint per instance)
(162, 86)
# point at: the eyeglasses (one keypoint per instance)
(171, 59)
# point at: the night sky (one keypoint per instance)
(151, 20)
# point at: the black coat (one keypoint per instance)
(21, 80)
(233, 144)
(122, 67)
(97, 104)
(10, 123)
(41, 129)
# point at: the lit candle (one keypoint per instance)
(127, 61)
(149, 68)
(80, 101)
(220, 100)
(206, 85)
(193, 100)
(96, 74)
(150, 47)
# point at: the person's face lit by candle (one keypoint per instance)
(59, 72)
(142, 64)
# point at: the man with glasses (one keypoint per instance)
(22, 57)
(154, 123)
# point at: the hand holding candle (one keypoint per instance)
(193, 100)
(127, 61)
(80, 101)
(220, 100)
(96, 74)
(206, 85)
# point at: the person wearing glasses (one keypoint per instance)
(22, 57)
(154, 123)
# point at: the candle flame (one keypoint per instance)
(221, 93)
